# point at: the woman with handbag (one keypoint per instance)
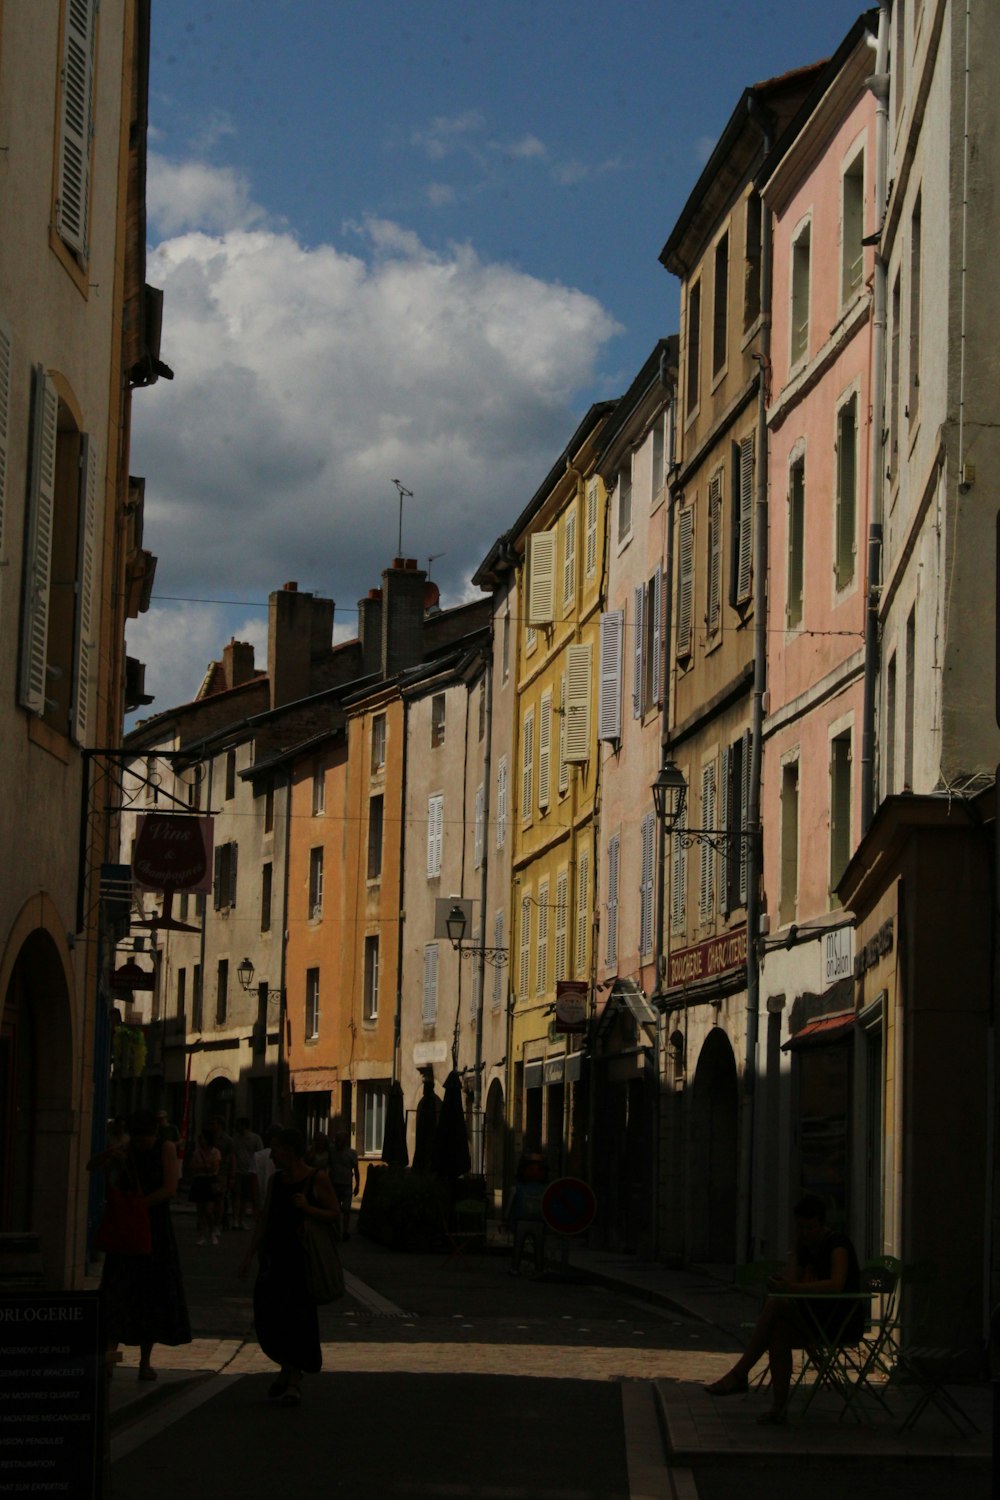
(300, 1203)
(142, 1295)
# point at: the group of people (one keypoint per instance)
(278, 1184)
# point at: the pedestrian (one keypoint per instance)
(524, 1210)
(206, 1187)
(318, 1154)
(224, 1145)
(263, 1165)
(168, 1132)
(345, 1176)
(142, 1295)
(285, 1314)
(246, 1144)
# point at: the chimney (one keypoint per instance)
(299, 629)
(370, 631)
(402, 615)
(238, 663)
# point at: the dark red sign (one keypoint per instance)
(173, 852)
(706, 960)
(571, 1005)
(569, 1205)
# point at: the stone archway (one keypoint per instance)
(495, 1139)
(714, 1158)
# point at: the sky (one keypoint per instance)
(404, 240)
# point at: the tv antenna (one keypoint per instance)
(404, 493)
(433, 558)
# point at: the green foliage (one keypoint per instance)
(128, 1051)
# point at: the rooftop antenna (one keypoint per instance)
(404, 493)
(433, 558)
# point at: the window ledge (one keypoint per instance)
(46, 738)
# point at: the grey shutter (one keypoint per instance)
(563, 764)
(86, 563)
(430, 1006)
(5, 364)
(234, 850)
(713, 613)
(217, 879)
(685, 579)
(646, 884)
(658, 635)
(678, 884)
(527, 763)
(637, 644)
(729, 862)
(611, 954)
(582, 910)
(545, 750)
(707, 873)
(75, 124)
(610, 710)
(744, 570)
(38, 543)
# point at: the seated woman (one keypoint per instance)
(823, 1261)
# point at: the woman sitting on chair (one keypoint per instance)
(823, 1261)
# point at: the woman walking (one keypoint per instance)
(284, 1311)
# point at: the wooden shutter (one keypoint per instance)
(501, 801)
(431, 962)
(86, 563)
(527, 764)
(713, 613)
(544, 750)
(582, 910)
(234, 850)
(435, 830)
(525, 946)
(678, 885)
(563, 765)
(591, 544)
(657, 641)
(541, 577)
(562, 903)
(217, 878)
(730, 860)
(646, 884)
(569, 557)
(75, 124)
(578, 675)
(614, 851)
(637, 644)
(38, 543)
(609, 714)
(744, 566)
(706, 899)
(685, 580)
(542, 943)
(480, 809)
(744, 815)
(497, 968)
(5, 364)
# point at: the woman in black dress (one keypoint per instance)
(142, 1296)
(284, 1313)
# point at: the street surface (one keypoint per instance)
(452, 1379)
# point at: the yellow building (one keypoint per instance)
(559, 538)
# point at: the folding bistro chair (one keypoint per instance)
(874, 1358)
(932, 1368)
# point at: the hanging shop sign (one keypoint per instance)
(710, 959)
(571, 1005)
(838, 955)
(173, 852)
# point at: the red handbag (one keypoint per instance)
(124, 1228)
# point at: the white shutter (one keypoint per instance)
(431, 961)
(5, 364)
(591, 528)
(658, 635)
(562, 903)
(38, 545)
(646, 884)
(541, 577)
(435, 831)
(637, 645)
(478, 839)
(582, 910)
(744, 817)
(542, 944)
(579, 661)
(678, 885)
(744, 569)
(527, 764)
(728, 858)
(563, 766)
(611, 950)
(87, 561)
(706, 901)
(545, 750)
(525, 947)
(569, 557)
(497, 968)
(609, 715)
(685, 579)
(713, 614)
(75, 124)
(501, 801)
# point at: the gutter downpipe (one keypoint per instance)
(744, 1222)
(878, 83)
(478, 1133)
(397, 1020)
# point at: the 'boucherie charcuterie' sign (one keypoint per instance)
(709, 959)
(173, 852)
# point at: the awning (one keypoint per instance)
(823, 1029)
(533, 1074)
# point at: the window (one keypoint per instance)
(501, 801)
(541, 577)
(378, 743)
(646, 665)
(315, 882)
(685, 580)
(847, 491)
(713, 606)
(569, 559)
(706, 884)
(563, 773)
(197, 999)
(789, 889)
(224, 883)
(376, 807)
(852, 228)
(800, 295)
(527, 765)
(58, 648)
(222, 992)
(625, 500)
(609, 719)
(591, 545)
(524, 949)
(544, 750)
(319, 793)
(611, 940)
(752, 262)
(269, 808)
(796, 543)
(498, 968)
(908, 705)
(430, 1005)
(840, 807)
(266, 877)
(693, 344)
(312, 1004)
(478, 837)
(542, 944)
(181, 993)
(647, 883)
(720, 312)
(435, 834)
(370, 1011)
(889, 737)
(678, 886)
(374, 1098)
(658, 458)
(482, 710)
(579, 672)
(582, 910)
(916, 236)
(562, 913)
(230, 775)
(735, 820)
(894, 378)
(437, 720)
(505, 648)
(72, 206)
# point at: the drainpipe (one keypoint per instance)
(878, 83)
(744, 1220)
(397, 1020)
(478, 1153)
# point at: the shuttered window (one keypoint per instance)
(713, 610)
(582, 910)
(501, 801)
(524, 951)
(647, 884)
(430, 1005)
(611, 947)
(638, 595)
(741, 565)
(38, 544)
(730, 850)
(497, 967)
(744, 821)
(527, 765)
(75, 125)
(579, 670)
(562, 915)
(591, 544)
(847, 491)
(435, 833)
(685, 580)
(656, 634)
(569, 559)
(478, 845)
(5, 365)
(544, 750)
(542, 943)
(678, 885)
(563, 764)
(706, 883)
(610, 708)
(85, 584)
(541, 577)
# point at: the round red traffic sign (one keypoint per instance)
(568, 1206)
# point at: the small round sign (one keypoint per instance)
(568, 1206)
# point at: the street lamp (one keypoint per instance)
(670, 798)
(245, 972)
(455, 924)
(669, 795)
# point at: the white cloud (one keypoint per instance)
(528, 147)
(449, 133)
(188, 194)
(440, 194)
(178, 642)
(703, 148)
(307, 379)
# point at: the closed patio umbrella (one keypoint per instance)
(394, 1148)
(451, 1156)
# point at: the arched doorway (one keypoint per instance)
(495, 1139)
(36, 1100)
(713, 1163)
(219, 1099)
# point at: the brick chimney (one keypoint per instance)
(402, 615)
(370, 631)
(299, 629)
(238, 663)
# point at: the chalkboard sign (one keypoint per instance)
(51, 1390)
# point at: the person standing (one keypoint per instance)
(206, 1187)
(345, 1176)
(224, 1145)
(285, 1314)
(246, 1144)
(524, 1210)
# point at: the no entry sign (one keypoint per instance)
(568, 1206)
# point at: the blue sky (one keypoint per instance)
(407, 241)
